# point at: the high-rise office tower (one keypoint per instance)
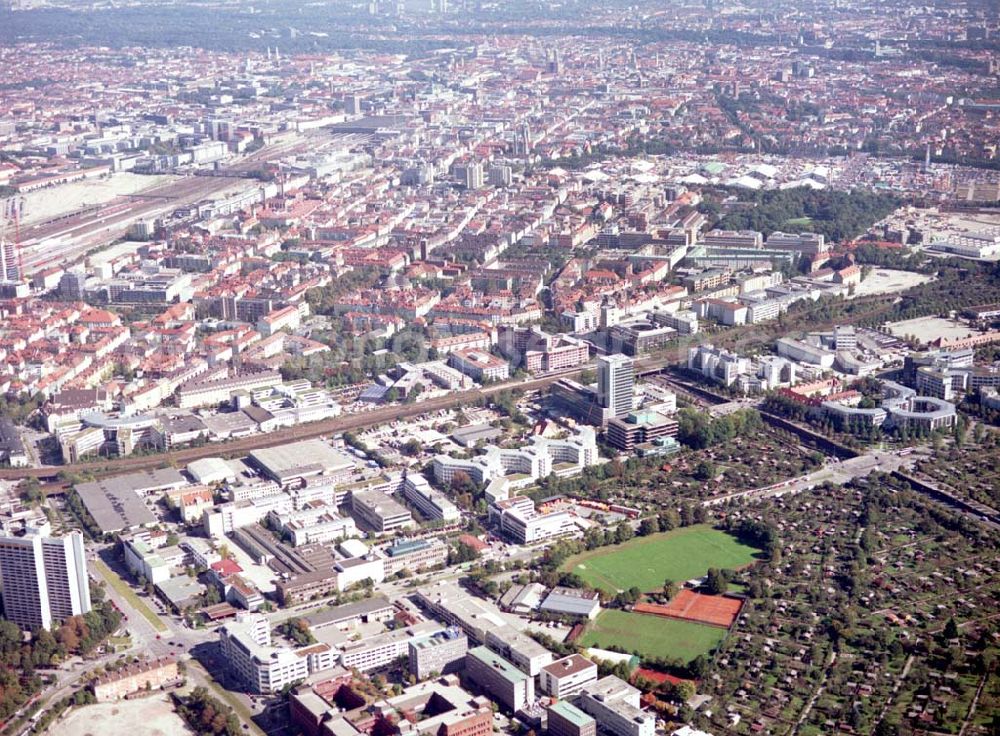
(352, 104)
(44, 578)
(10, 267)
(72, 285)
(615, 384)
(500, 175)
(471, 175)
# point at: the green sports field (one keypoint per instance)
(799, 221)
(646, 562)
(651, 635)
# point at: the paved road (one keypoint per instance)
(181, 641)
(145, 638)
(144, 643)
(833, 471)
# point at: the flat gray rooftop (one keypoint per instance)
(349, 610)
(115, 503)
(310, 457)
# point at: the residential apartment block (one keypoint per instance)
(44, 578)
(133, 678)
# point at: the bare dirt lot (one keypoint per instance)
(889, 281)
(926, 329)
(152, 716)
(44, 204)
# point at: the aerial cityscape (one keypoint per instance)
(517, 367)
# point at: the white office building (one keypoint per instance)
(373, 652)
(717, 364)
(314, 525)
(805, 243)
(432, 504)
(803, 352)
(248, 652)
(380, 513)
(567, 676)
(143, 561)
(228, 517)
(614, 704)
(526, 526)
(615, 384)
(523, 465)
(520, 649)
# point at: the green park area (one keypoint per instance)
(651, 636)
(798, 221)
(645, 562)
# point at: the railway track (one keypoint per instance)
(54, 481)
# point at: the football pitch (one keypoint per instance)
(651, 635)
(645, 562)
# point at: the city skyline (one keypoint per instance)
(458, 368)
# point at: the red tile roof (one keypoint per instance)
(226, 567)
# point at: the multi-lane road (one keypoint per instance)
(176, 638)
(834, 471)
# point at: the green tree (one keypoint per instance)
(412, 447)
(717, 582)
(670, 588)
(623, 532)
(462, 552)
(705, 470)
(685, 690)
(669, 520)
(648, 526)
(31, 491)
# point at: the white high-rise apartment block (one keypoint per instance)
(44, 578)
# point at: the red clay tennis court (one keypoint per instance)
(687, 605)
